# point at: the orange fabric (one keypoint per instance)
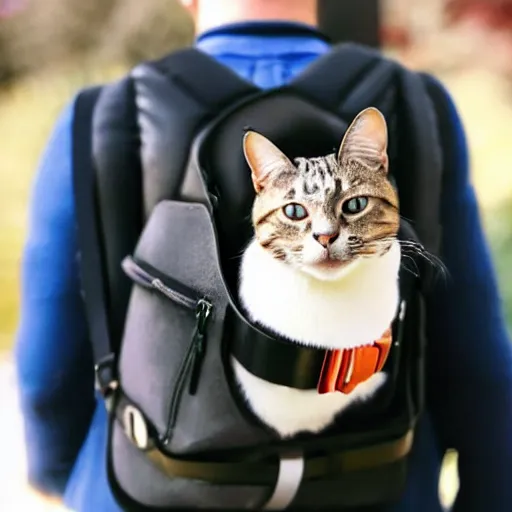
(343, 370)
(332, 364)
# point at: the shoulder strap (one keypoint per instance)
(199, 76)
(345, 79)
(88, 240)
(352, 77)
(175, 96)
(418, 141)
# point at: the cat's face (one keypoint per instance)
(323, 215)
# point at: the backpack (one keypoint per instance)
(163, 196)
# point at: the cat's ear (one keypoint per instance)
(366, 140)
(263, 158)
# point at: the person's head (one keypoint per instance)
(213, 13)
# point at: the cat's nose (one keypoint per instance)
(326, 239)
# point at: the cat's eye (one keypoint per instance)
(354, 205)
(295, 211)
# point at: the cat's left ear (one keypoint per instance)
(264, 158)
(366, 140)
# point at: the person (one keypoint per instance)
(469, 379)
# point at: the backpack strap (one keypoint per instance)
(175, 96)
(419, 142)
(118, 183)
(88, 240)
(352, 77)
(346, 78)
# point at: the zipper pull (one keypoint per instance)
(203, 311)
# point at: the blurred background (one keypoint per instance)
(50, 49)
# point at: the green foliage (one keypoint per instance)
(46, 34)
(498, 224)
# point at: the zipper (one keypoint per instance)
(198, 344)
(147, 276)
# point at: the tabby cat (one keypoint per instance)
(322, 269)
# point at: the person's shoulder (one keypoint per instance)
(60, 136)
(52, 186)
(63, 122)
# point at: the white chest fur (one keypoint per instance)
(347, 313)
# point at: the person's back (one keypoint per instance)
(67, 450)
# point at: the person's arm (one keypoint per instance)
(470, 354)
(53, 356)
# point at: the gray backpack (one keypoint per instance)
(163, 195)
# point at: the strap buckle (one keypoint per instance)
(135, 427)
(105, 380)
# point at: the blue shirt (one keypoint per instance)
(469, 386)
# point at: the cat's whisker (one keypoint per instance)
(380, 246)
(435, 262)
(237, 256)
(415, 274)
(407, 219)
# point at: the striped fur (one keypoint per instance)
(320, 273)
(322, 185)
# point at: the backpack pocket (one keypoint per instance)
(148, 277)
(174, 393)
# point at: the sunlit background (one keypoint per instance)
(50, 48)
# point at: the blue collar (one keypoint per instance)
(263, 38)
(265, 28)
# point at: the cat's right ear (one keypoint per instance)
(263, 157)
(366, 140)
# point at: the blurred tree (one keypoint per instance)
(44, 34)
(138, 32)
(498, 221)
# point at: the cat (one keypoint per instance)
(322, 268)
